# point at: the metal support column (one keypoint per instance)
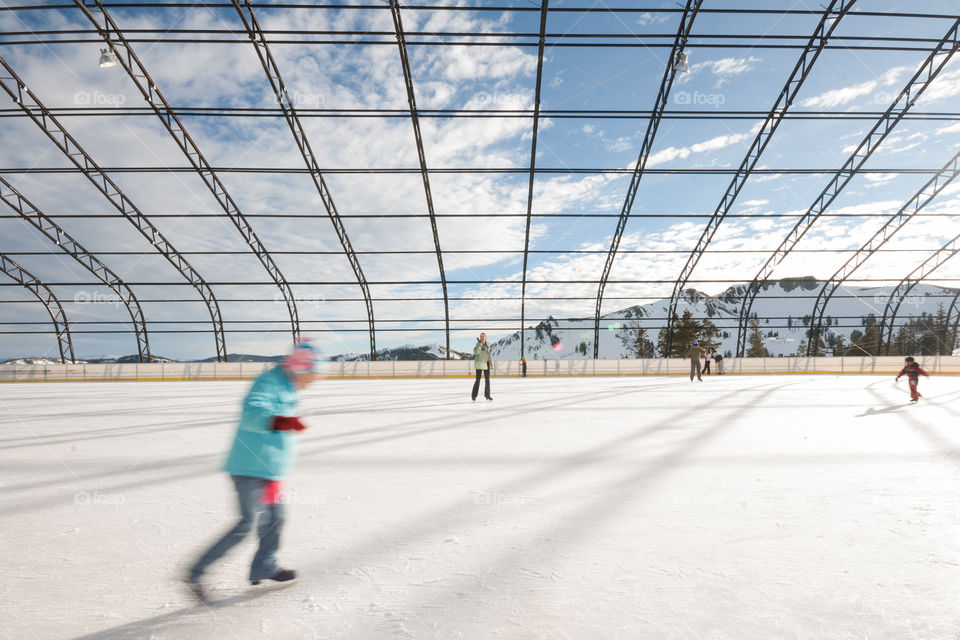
(415, 119)
(259, 41)
(683, 33)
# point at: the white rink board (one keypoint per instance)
(453, 368)
(740, 507)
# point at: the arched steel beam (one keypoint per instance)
(902, 290)
(415, 119)
(825, 28)
(50, 302)
(683, 33)
(918, 83)
(29, 212)
(259, 41)
(117, 41)
(896, 222)
(41, 116)
(544, 8)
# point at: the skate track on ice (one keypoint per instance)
(735, 508)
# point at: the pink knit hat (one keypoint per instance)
(305, 358)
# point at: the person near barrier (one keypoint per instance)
(695, 353)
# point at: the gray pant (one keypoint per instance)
(250, 497)
(694, 368)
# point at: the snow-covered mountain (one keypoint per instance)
(783, 309)
(406, 352)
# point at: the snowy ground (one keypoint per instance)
(741, 507)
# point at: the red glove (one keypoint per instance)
(287, 423)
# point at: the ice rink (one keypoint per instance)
(735, 508)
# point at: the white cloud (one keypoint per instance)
(723, 69)
(713, 144)
(845, 95)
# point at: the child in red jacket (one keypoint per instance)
(913, 372)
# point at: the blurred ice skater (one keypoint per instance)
(262, 454)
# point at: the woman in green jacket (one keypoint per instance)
(482, 362)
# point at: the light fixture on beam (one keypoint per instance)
(108, 58)
(682, 65)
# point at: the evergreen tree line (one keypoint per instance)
(926, 334)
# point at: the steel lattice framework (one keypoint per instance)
(903, 289)
(45, 225)
(415, 119)
(544, 8)
(259, 40)
(115, 39)
(49, 300)
(914, 88)
(41, 116)
(544, 34)
(897, 221)
(683, 34)
(825, 28)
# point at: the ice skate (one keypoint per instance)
(202, 592)
(280, 577)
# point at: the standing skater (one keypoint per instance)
(707, 357)
(482, 362)
(261, 456)
(913, 372)
(718, 358)
(523, 366)
(694, 354)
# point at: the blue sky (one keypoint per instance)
(342, 76)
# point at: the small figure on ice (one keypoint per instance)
(695, 353)
(262, 454)
(483, 363)
(913, 372)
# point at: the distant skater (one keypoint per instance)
(694, 354)
(482, 362)
(718, 359)
(707, 357)
(913, 372)
(523, 366)
(262, 454)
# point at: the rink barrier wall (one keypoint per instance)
(937, 365)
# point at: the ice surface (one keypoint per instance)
(739, 507)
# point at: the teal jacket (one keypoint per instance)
(481, 356)
(259, 451)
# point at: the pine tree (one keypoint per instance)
(634, 339)
(755, 338)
